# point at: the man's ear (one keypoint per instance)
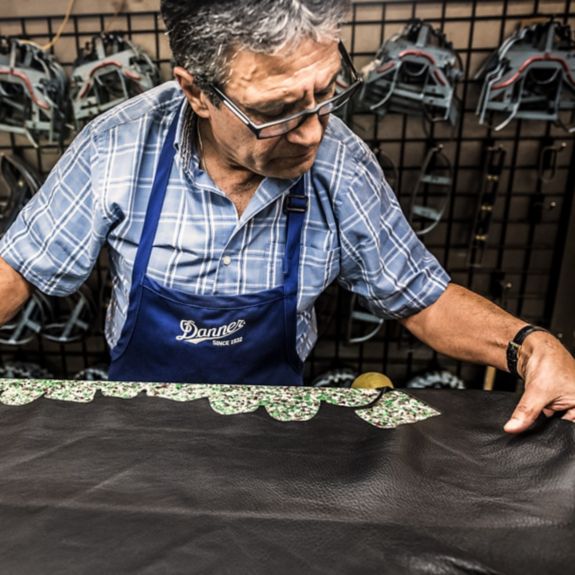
(197, 99)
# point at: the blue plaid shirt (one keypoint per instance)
(354, 231)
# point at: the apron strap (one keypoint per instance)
(295, 207)
(155, 203)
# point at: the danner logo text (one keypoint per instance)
(192, 333)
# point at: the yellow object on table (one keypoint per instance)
(371, 380)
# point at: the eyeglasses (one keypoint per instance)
(282, 126)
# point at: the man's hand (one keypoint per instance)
(464, 325)
(549, 373)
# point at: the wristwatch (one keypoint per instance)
(514, 346)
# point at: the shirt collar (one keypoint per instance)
(185, 141)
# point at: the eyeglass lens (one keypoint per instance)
(293, 123)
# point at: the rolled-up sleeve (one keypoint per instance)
(56, 239)
(382, 259)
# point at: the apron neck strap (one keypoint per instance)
(155, 204)
(295, 206)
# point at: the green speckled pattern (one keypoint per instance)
(282, 403)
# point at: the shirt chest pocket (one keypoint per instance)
(318, 267)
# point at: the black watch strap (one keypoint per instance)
(515, 344)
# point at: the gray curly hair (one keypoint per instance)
(205, 34)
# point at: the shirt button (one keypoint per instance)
(227, 260)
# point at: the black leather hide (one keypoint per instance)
(152, 486)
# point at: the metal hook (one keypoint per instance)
(427, 178)
(548, 162)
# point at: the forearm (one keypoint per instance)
(14, 291)
(466, 326)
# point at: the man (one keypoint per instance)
(231, 199)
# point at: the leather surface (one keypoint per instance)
(154, 486)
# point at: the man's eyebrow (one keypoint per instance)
(263, 107)
(279, 103)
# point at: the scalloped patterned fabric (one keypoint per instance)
(282, 403)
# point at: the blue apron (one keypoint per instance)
(172, 336)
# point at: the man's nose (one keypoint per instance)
(309, 133)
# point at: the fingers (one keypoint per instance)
(532, 403)
(528, 409)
